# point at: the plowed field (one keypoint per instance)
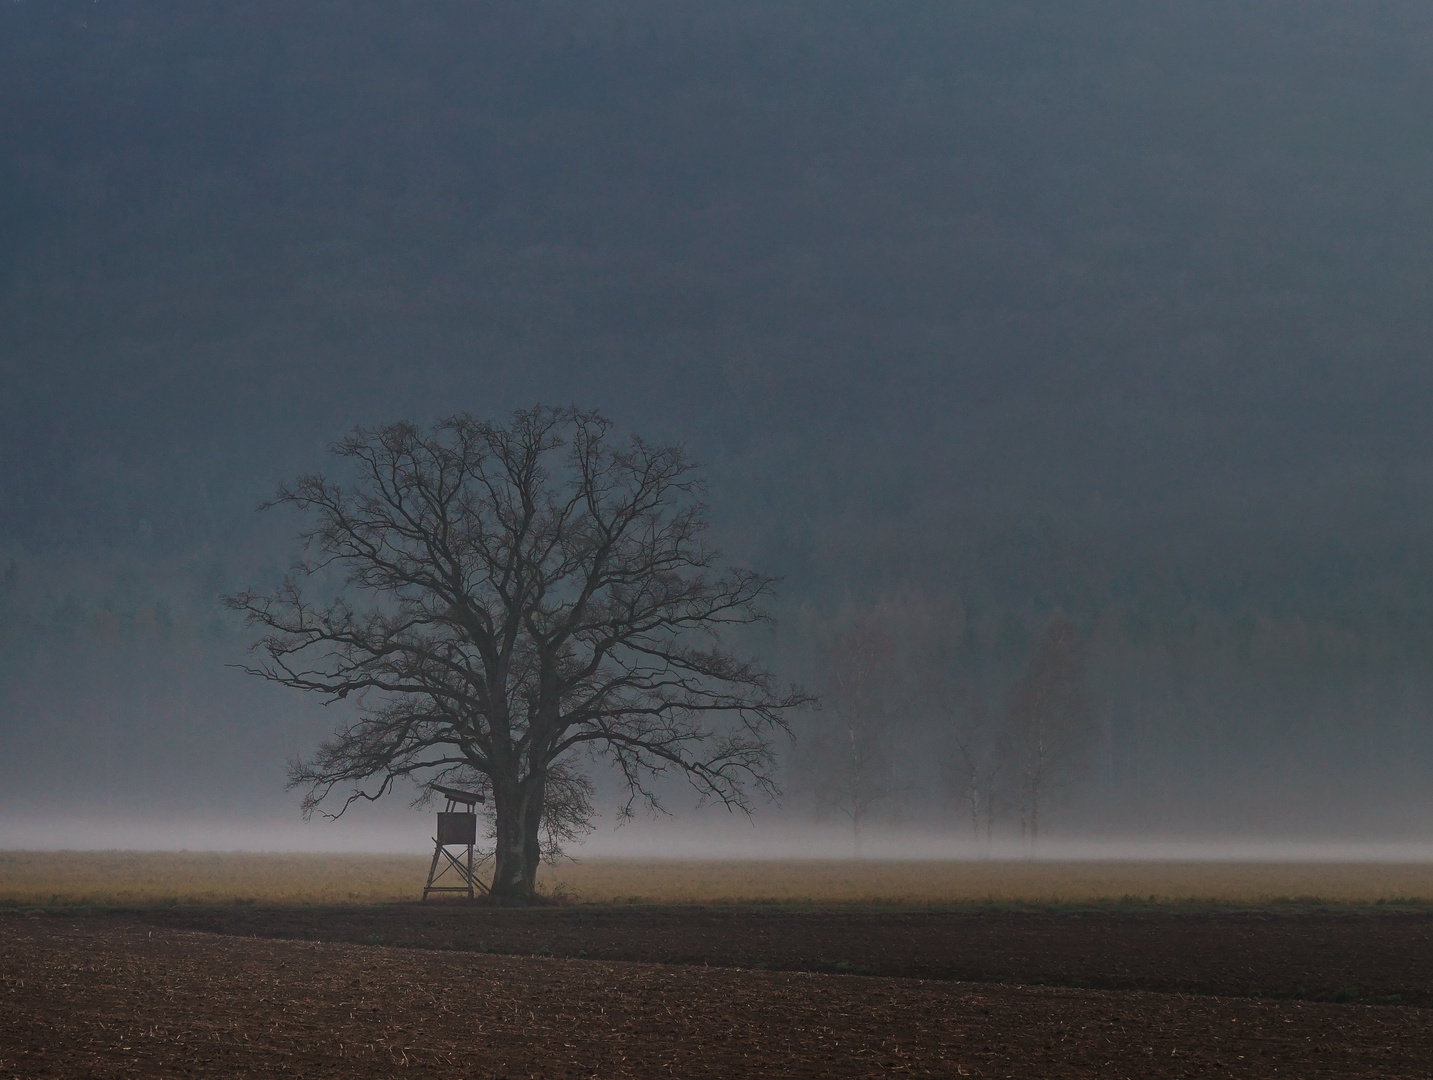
(112, 997)
(1369, 954)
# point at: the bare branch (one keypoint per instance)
(513, 593)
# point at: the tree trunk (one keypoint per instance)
(531, 838)
(512, 881)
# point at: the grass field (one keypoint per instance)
(952, 882)
(62, 878)
(158, 877)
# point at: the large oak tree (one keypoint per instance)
(517, 593)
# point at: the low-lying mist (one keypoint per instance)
(774, 840)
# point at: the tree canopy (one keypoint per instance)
(515, 594)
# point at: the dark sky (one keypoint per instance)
(1121, 308)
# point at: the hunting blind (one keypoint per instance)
(459, 829)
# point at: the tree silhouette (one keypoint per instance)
(516, 594)
(1048, 722)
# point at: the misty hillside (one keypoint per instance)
(1115, 308)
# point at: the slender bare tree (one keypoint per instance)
(1049, 723)
(853, 751)
(974, 771)
(955, 692)
(515, 594)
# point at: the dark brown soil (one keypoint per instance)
(1370, 955)
(111, 997)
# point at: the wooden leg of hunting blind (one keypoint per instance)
(463, 869)
(432, 870)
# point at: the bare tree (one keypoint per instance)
(853, 752)
(976, 768)
(1048, 723)
(516, 594)
(954, 691)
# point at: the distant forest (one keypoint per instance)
(979, 313)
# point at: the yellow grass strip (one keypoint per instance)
(158, 877)
(998, 881)
(33, 878)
